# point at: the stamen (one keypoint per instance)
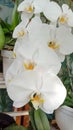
(29, 9)
(63, 19)
(22, 33)
(53, 45)
(37, 98)
(29, 66)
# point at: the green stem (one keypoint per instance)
(68, 66)
(11, 40)
(70, 3)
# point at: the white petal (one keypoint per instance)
(35, 22)
(19, 43)
(37, 8)
(65, 39)
(19, 89)
(47, 59)
(60, 55)
(19, 28)
(52, 11)
(70, 18)
(26, 16)
(53, 91)
(21, 103)
(65, 8)
(13, 69)
(34, 27)
(68, 12)
(18, 94)
(44, 57)
(41, 33)
(27, 50)
(24, 5)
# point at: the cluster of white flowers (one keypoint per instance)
(39, 50)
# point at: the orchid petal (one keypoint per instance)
(52, 11)
(19, 89)
(26, 16)
(65, 8)
(21, 103)
(37, 8)
(43, 60)
(20, 29)
(70, 18)
(19, 43)
(65, 39)
(54, 94)
(41, 57)
(24, 5)
(13, 69)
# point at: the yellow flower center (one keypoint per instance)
(29, 66)
(53, 45)
(37, 98)
(63, 19)
(29, 9)
(21, 33)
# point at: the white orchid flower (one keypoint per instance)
(26, 6)
(29, 57)
(66, 16)
(55, 13)
(32, 6)
(26, 9)
(60, 39)
(20, 30)
(39, 57)
(57, 38)
(32, 28)
(24, 34)
(53, 41)
(44, 91)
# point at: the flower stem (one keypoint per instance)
(68, 68)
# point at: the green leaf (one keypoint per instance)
(15, 15)
(31, 115)
(69, 101)
(45, 121)
(15, 127)
(6, 26)
(2, 38)
(41, 120)
(38, 120)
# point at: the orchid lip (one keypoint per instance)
(29, 9)
(21, 33)
(63, 19)
(29, 66)
(53, 45)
